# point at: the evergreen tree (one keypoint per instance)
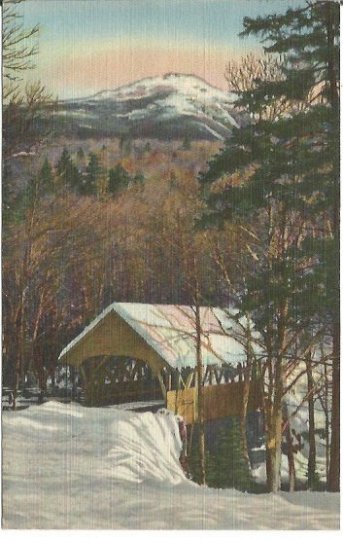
(80, 155)
(38, 186)
(46, 176)
(288, 165)
(147, 147)
(138, 178)
(195, 468)
(186, 143)
(125, 144)
(309, 39)
(231, 468)
(226, 466)
(94, 170)
(8, 195)
(67, 173)
(118, 179)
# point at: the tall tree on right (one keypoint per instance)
(287, 162)
(309, 39)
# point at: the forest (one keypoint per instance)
(251, 221)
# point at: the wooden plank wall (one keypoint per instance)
(220, 401)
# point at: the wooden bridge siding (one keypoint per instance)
(117, 380)
(220, 401)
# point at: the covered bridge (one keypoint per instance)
(133, 352)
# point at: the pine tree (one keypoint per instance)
(231, 467)
(226, 466)
(195, 466)
(93, 173)
(67, 173)
(288, 166)
(186, 143)
(118, 179)
(147, 147)
(138, 179)
(125, 144)
(8, 195)
(309, 38)
(80, 155)
(46, 176)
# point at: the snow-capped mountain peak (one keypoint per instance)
(188, 85)
(171, 105)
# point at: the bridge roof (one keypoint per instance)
(161, 334)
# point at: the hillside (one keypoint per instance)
(169, 107)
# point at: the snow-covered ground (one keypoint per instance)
(67, 466)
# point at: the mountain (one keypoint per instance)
(171, 106)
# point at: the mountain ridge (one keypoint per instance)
(173, 105)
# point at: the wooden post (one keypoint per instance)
(210, 379)
(239, 369)
(206, 375)
(84, 380)
(190, 379)
(178, 380)
(217, 374)
(162, 385)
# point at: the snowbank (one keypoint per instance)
(66, 466)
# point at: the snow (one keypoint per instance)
(24, 154)
(76, 114)
(171, 96)
(67, 466)
(214, 133)
(297, 402)
(189, 85)
(300, 460)
(132, 405)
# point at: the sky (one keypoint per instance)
(90, 45)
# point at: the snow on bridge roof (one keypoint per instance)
(170, 331)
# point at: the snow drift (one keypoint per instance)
(66, 466)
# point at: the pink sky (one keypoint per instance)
(91, 45)
(83, 71)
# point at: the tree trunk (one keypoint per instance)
(334, 468)
(290, 454)
(274, 440)
(311, 468)
(327, 421)
(200, 395)
(20, 352)
(267, 413)
(243, 421)
(41, 374)
(16, 384)
(244, 407)
(275, 433)
(333, 86)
